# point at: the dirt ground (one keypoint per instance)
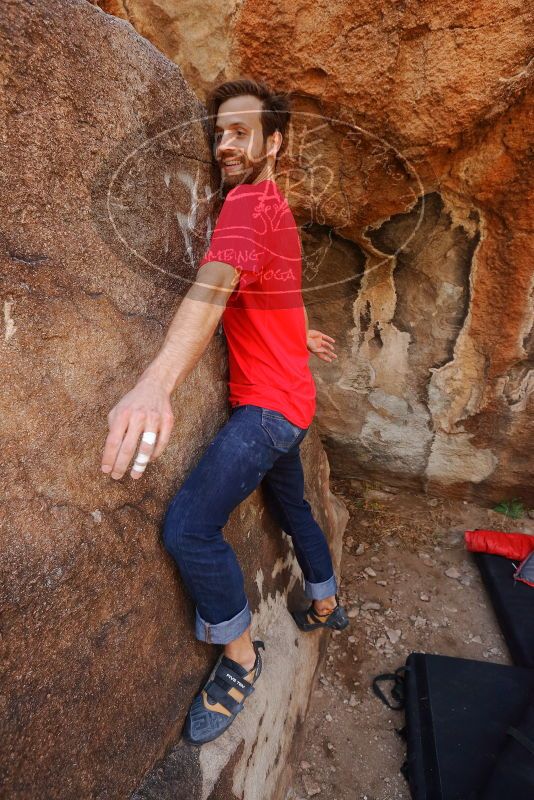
(408, 584)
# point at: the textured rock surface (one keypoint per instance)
(99, 237)
(426, 187)
(196, 36)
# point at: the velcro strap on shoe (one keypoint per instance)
(231, 678)
(220, 695)
(313, 614)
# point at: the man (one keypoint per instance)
(251, 278)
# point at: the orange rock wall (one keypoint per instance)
(103, 161)
(415, 197)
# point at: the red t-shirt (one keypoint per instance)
(264, 319)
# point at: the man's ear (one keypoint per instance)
(274, 143)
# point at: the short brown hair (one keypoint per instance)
(276, 107)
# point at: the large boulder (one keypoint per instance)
(410, 170)
(105, 178)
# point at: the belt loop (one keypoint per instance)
(208, 635)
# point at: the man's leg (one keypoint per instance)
(283, 488)
(229, 470)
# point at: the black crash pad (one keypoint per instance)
(458, 712)
(513, 602)
(513, 773)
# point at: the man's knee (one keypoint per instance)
(173, 525)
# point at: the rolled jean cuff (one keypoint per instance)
(318, 591)
(223, 632)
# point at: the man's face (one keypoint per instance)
(239, 147)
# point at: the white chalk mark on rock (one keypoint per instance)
(9, 323)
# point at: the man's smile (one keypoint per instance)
(231, 164)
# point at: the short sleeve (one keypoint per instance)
(239, 236)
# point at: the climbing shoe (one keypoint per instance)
(221, 698)
(309, 620)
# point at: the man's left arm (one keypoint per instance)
(319, 343)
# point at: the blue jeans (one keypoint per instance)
(256, 445)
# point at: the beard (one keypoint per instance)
(248, 172)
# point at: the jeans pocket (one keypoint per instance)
(282, 432)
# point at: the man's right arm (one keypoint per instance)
(147, 406)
